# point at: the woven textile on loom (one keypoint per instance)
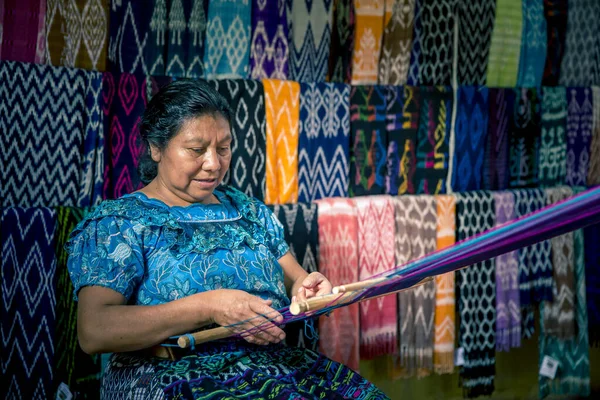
(495, 175)
(22, 25)
(53, 156)
(580, 121)
(368, 33)
(505, 49)
(342, 39)
(593, 177)
(555, 12)
(553, 146)
(402, 123)
(533, 44)
(269, 50)
(397, 40)
(524, 139)
(28, 300)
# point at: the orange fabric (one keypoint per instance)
(369, 17)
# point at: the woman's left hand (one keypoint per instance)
(315, 284)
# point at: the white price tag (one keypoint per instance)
(549, 367)
(459, 357)
(63, 392)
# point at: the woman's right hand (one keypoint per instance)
(247, 315)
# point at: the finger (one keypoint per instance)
(312, 280)
(264, 327)
(301, 295)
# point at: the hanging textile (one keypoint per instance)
(445, 310)
(525, 139)
(368, 140)
(496, 167)
(415, 51)
(397, 41)
(323, 144)
(533, 44)
(592, 277)
(22, 30)
(378, 318)
(579, 60)
(555, 12)
(508, 313)
(470, 138)
(227, 47)
(338, 261)
(367, 41)
(475, 27)
(310, 38)
(432, 140)
(282, 103)
(51, 156)
(580, 122)
(247, 171)
(476, 288)
(593, 177)
(553, 145)
(28, 272)
(124, 98)
(342, 42)
(505, 49)
(269, 50)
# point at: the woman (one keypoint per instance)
(185, 253)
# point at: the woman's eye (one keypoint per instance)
(224, 149)
(198, 150)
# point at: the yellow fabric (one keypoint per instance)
(369, 23)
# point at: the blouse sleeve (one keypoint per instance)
(106, 252)
(275, 234)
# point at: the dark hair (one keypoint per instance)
(168, 110)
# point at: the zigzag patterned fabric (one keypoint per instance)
(505, 50)
(415, 51)
(397, 40)
(579, 61)
(342, 42)
(580, 123)
(52, 156)
(553, 145)
(338, 261)
(533, 44)
(368, 140)
(124, 98)
(77, 33)
(378, 317)
(593, 177)
(28, 302)
(227, 51)
(402, 118)
(269, 50)
(592, 276)
(247, 171)
(476, 288)
(368, 33)
(475, 27)
(22, 30)
(301, 232)
(496, 167)
(555, 12)
(282, 102)
(525, 139)
(470, 138)
(508, 312)
(324, 145)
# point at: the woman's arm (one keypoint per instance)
(300, 283)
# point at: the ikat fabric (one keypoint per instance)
(397, 42)
(496, 167)
(342, 42)
(553, 144)
(402, 124)
(525, 139)
(594, 170)
(533, 44)
(555, 12)
(22, 30)
(580, 123)
(505, 49)
(269, 50)
(368, 32)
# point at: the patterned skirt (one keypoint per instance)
(234, 370)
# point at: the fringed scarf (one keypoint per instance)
(593, 177)
(247, 171)
(553, 144)
(342, 42)
(525, 139)
(369, 140)
(338, 261)
(533, 44)
(555, 12)
(50, 156)
(324, 144)
(282, 99)
(503, 62)
(496, 167)
(470, 138)
(378, 317)
(28, 287)
(397, 41)
(402, 124)
(23, 28)
(445, 309)
(508, 312)
(269, 50)
(475, 212)
(367, 40)
(580, 122)
(592, 277)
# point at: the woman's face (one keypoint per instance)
(195, 160)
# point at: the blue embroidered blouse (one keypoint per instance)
(152, 253)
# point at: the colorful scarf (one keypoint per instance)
(553, 148)
(496, 167)
(338, 261)
(477, 298)
(369, 140)
(22, 30)
(28, 285)
(323, 145)
(533, 44)
(51, 156)
(593, 177)
(397, 41)
(282, 102)
(470, 138)
(247, 171)
(367, 41)
(415, 51)
(505, 50)
(378, 317)
(525, 139)
(342, 42)
(508, 313)
(555, 12)
(445, 310)
(592, 277)
(475, 26)
(580, 123)
(227, 52)
(269, 50)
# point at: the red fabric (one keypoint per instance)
(23, 36)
